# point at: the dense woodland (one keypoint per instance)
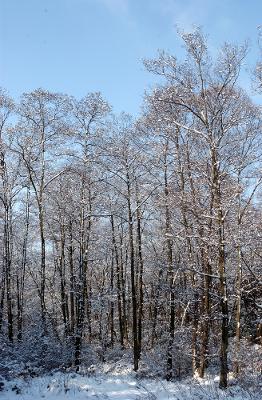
(136, 235)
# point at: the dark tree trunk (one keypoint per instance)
(21, 281)
(133, 278)
(140, 274)
(72, 279)
(170, 271)
(118, 282)
(205, 322)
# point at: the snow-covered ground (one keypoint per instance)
(125, 386)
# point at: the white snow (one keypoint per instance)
(115, 387)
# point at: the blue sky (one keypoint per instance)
(78, 46)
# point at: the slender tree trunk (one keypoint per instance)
(238, 284)
(72, 279)
(2, 300)
(133, 280)
(43, 267)
(195, 358)
(112, 308)
(118, 282)
(7, 261)
(122, 271)
(238, 310)
(224, 312)
(140, 273)
(205, 323)
(63, 294)
(222, 273)
(21, 281)
(80, 299)
(41, 213)
(7, 258)
(170, 269)
(82, 291)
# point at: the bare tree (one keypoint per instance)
(39, 130)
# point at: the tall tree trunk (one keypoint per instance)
(122, 271)
(43, 267)
(224, 312)
(195, 358)
(7, 257)
(112, 308)
(63, 294)
(72, 278)
(80, 298)
(82, 305)
(223, 380)
(140, 272)
(238, 309)
(170, 270)
(205, 322)
(118, 283)
(21, 281)
(2, 300)
(133, 279)
(7, 245)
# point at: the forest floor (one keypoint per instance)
(123, 385)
